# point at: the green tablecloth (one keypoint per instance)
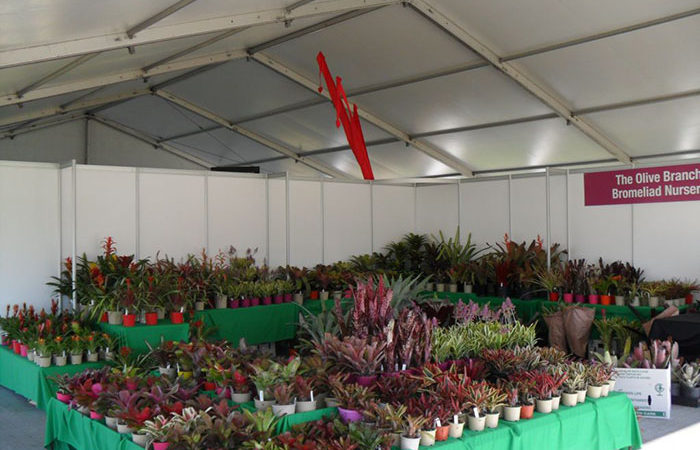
(287, 422)
(257, 324)
(31, 381)
(624, 311)
(604, 424)
(136, 337)
(67, 428)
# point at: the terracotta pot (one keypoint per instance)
(568, 297)
(456, 429)
(408, 443)
(427, 437)
(349, 415)
(129, 320)
(283, 410)
(594, 391)
(554, 297)
(176, 317)
(569, 399)
(152, 318)
(544, 406)
(511, 413)
(605, 300)
(526, 411)
(313, 295)
(476, 423)
(593, 299)
(443, 432)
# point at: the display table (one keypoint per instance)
(685, 329)
(67, 428)
(604, 424)
(257, 324)
(136, 337)
(31, 381)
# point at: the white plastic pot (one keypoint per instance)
(581, 395)
(569, 399)
(453, 287)
(76, 359)
(468, 288)
(427, 438)
(604, 390)
(492, 420)
(476, 423)
(331, 402)
(555, 402)
(306, 406)
(140, 439)
(511, 413)
(263, 405)
(43, 361)
(594, 391)
(283, 410)
(111, 422)
(543, 406)
(114, 317)
(240, 397)
(408, 443)
(123, 428)
(323, 295)
(221, 302)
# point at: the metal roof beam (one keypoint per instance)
(113, 41)
(76, 106)
(432, 151)
(297, 4)
(31, 126)
(551, 99)
(146, 138)
(55, 74)
(172, 9)
(314, 164)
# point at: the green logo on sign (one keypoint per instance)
(659, 388)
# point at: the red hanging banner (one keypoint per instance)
(346, 116)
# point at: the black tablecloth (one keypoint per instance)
(685, 329)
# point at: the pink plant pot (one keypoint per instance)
(63, 398)
(245, 303)
(288, 298)
(160, 445)
(255, 301)
(267, 300)
(348, 293)
(366, 380)
(279, 299)
(96, 416)
(568, 297)
(580, 298)
(23, 350)
(349, 415)
(593, 299)
(5, 340)
(226, 392)
(131, 386)
(234, 303)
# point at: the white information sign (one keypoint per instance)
(649, 390)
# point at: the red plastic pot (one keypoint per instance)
(605, 299)
(160, 445)
(314, 295)
(267, 300)
(689, 299)
(151, 318)
(554, 296)
(442, 433)
(129, 320)
(16, 346)
(104, 318)
(527, 411)
(176, 317)
(63, 398)
(593, 299)
(255, 301)
(209, 386)
(96, 416)
(568, 297)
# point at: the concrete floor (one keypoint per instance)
(22, 426)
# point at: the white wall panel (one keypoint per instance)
(29, 233)
(172, 214)
(305, 223)
(106, 198)
(666, 244)
(347, 212)
(436, 208)
(278, 222)
(528, 208)
(237, 214)
(487, 224)
(598, 231)
(394, 213)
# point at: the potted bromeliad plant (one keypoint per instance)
(285, 403)
(304, 389)
(410, 439)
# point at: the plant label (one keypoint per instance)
(649, 390)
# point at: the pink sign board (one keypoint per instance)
(649, 185)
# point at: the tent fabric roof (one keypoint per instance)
(444, 87)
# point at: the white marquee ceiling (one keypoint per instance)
(624, 73)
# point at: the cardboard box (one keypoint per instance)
(649, 390)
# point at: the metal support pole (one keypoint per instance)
(415, 208)
(86, 158)
(137, 212)
(286, 212)
(459, 208)
(371, 216)
(267, 219)
(74, 233)
(510, 207)
(568, 218)
(60, 230)
(548, 233)
(323, 223)
(206, 212)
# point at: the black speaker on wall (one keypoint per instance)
(237, 169)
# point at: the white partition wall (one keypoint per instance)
(487, 225)
(172, 214)
(237, 212)
(436, 209)
(347, 210)
(29, 232)
(277, 214)
(528, 208)
(305, 223)
(394, 213)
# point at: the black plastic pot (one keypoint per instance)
(675, 389)
(689, 392)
